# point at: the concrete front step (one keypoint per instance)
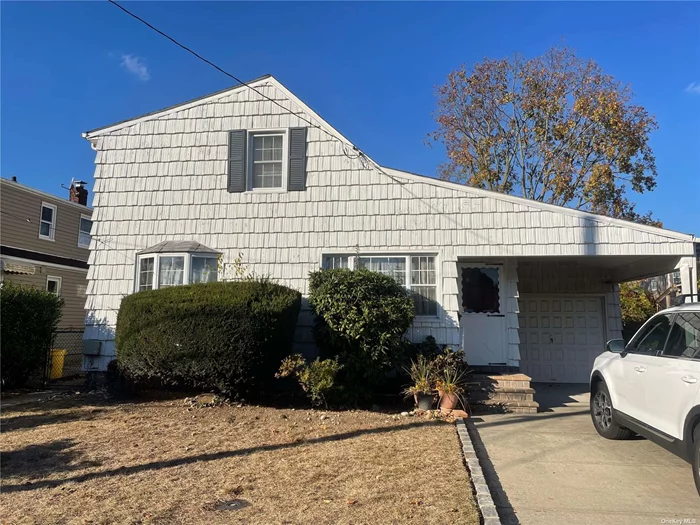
(502, 394)
(496, 406)
(503, 381)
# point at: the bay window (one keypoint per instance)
(204, 269)
(175, 263)
(416, 272)
(171, 270)
(146, 272)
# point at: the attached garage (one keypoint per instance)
(560, 336)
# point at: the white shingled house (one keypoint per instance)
(519, 284)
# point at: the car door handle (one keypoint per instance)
(640, 369)
(689, 379)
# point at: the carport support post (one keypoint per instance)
(688, 269)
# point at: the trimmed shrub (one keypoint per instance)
(361, 318)
(228, 336)
(28, 317)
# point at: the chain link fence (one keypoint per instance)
(64, 362)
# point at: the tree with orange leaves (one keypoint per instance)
(553, 128)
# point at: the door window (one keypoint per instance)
(651, 340)
(480, 290)
(684, 340)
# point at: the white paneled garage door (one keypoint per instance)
(560, 337)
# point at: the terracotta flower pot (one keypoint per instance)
(424, 401)
(449, 401)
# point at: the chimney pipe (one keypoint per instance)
(14, 178)
(78, 192)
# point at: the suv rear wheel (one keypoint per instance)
(602, 414)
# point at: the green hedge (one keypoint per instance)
(28, 319)
(228, 336)
(361, 317)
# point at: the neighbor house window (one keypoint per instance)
(416, 272)
(267, 160)
(53, 285)
(146, 272)
(204, 269)
(173, 263)
(480, 290)
(84, 231)
(171, 271)
(47, 221)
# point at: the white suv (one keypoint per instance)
(652, 385)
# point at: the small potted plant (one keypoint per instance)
(421, 374)
(450, 386)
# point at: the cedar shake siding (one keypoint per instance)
(179, 175)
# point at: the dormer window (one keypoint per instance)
(174, 263)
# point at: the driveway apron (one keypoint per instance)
(552, 467)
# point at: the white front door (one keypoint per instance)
(560, 337)
(482, 322)
(674, 380)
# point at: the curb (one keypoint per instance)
(484, 500)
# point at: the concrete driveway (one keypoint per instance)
(552, 467)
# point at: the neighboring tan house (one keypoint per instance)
(520, 284)
(44, 242)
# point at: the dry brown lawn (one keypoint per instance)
(80, 460)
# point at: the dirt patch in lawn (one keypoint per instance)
(81, 460)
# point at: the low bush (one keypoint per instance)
(317, 378)
(28, 320)
(228, 336)
(361, 318)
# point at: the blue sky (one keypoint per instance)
(368, 69)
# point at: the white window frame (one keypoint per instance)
(52, 227)
(352, 260)
(57, 280)
(88, 218)
(187, 267)
(203, 256)
(154, 283)
(250, 161)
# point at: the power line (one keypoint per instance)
(360, 154)
(69, 232)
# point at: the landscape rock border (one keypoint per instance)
(481, 490)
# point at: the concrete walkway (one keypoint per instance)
(552, 467)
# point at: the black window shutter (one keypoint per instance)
(297, 159)
(237, 161)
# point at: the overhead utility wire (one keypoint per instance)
(360, 154)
